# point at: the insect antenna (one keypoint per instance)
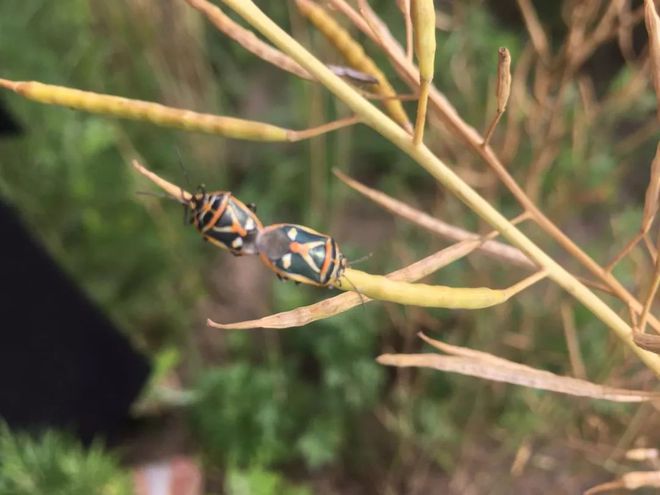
(355, 262)
(361, 259)
(184, 171)
(187, 205)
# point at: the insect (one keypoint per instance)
(224, 220)
(353, 75)
(301, 254)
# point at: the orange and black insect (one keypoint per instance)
(301, 254)
(224, 220)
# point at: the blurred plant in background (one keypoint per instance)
(54, 464)
(312, 403)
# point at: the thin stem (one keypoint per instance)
(322, 129)
(495, 249)
(420, 122)
(489, 132)
(624, 252)
(247, 39)
(651, 296)
(526, 282)
(572, 342)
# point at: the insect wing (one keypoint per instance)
(273, 243)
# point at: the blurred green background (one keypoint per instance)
(308, 410)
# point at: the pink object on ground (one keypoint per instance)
(176, 476)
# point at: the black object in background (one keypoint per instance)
(8, 124)
(62, 362)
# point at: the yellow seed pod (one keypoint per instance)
(423, 18)
(355, 56)
(413, 294)
(144, 110)
(423, 21)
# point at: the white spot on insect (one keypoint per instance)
(286, 261)
(249, 224)
(292, 233)
(236, 243)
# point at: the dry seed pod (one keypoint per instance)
(144, 110)
(652, 196)
(166, 116)
(502, 91)
(355, 56)
(423, 19)
(653, 28)
(503, 79)
(435, 296)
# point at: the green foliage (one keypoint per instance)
(54, 464)
(69, 180)
(244, 414)
(295, 407)
(260, 481)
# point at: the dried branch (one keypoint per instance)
(247, 39)
(572, 342)
(629, 481)
(652, 196)
(650, 298)
(495, 249)
(651, 203)
(535, 30)
(653, 27)
(487, 366)
(581, 45)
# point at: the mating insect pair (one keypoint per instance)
(292, 251)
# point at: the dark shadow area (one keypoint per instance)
(62, 362)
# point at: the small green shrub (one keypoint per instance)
(55, 464)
